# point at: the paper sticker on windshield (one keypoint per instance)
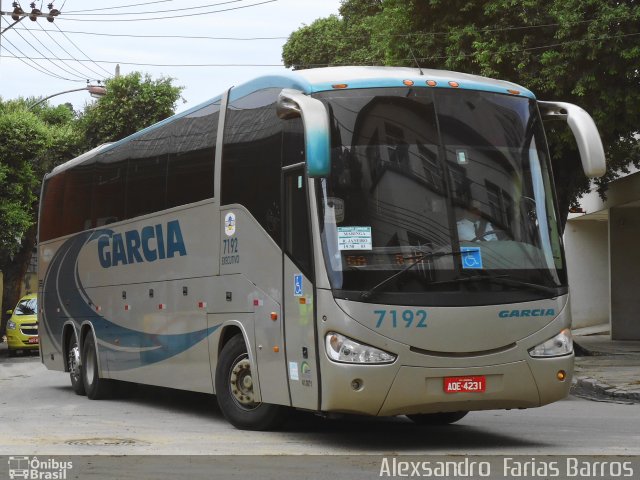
(471, 257)
(461, 155)
(354, 238)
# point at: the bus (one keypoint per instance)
(302, 242)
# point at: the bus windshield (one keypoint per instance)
(438, 197)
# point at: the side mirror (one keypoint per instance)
(293, 103)
(9, 312)
(584, 130)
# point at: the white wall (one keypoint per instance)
(587, 251)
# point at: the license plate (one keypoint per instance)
(465, 384)
(34, 340)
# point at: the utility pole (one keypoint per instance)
(18, 14)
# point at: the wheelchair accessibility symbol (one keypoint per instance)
(297, 285)
(471, 257)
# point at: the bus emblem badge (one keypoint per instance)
(230, 224)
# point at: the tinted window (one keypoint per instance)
(76, 208)
(297, 238)
(251, 158)
(169, 165)
(107, 202)
(51, 214)
(190, 177)
(146, 184)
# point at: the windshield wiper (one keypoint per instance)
(418, 259)
(502, 279)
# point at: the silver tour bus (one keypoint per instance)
(375, 241)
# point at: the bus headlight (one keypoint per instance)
(11, 325)
(561, 344)
(343, 349)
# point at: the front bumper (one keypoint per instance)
(401, 390)
(18, 341)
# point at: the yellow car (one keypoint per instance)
(22, 327)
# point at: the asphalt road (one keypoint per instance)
(41, 415)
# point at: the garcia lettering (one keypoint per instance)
(149, 244)
(533, 312)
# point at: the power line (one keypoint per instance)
(171, 17)
(80, 50)
(81, 74)
(352, 37)
(465, 55)
(99, 75)
(176, 65)
(35, 66)
(68, 72)
(559, 44)
(113, 8)
(187, 37)
(154, 11)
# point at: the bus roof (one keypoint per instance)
(324, 79)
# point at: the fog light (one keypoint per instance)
(356, 384)
(561, 375)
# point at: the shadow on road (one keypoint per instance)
(353, 432)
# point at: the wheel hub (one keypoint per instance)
(74, 360)
(242, 383)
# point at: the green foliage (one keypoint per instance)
(132, 103)
(582, 51)
(31, 143)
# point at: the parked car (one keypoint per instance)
(22, 327)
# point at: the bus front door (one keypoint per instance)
(298, 292)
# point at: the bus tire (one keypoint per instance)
(234, 391)
(442, 418)
(96, 388)
(75, 366)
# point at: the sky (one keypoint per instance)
(80, 56)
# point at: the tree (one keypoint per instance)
(581, 51)
(31, 143)
(132, 102)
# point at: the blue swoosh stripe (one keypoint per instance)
(63, 290)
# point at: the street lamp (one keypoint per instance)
(96, 91)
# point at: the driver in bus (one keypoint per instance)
(473, 226)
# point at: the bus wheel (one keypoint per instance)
(75, 369)
(234, 391)
(444, 418)
(97, 388)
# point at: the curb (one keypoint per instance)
(595, 387)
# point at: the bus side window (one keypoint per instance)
(146, 182)
(293, 142)
(251, 158)
(51, 215)
(107, 202)
(297, 238)
(76, 209)
(190, 177)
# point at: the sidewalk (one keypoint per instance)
(606, 369)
